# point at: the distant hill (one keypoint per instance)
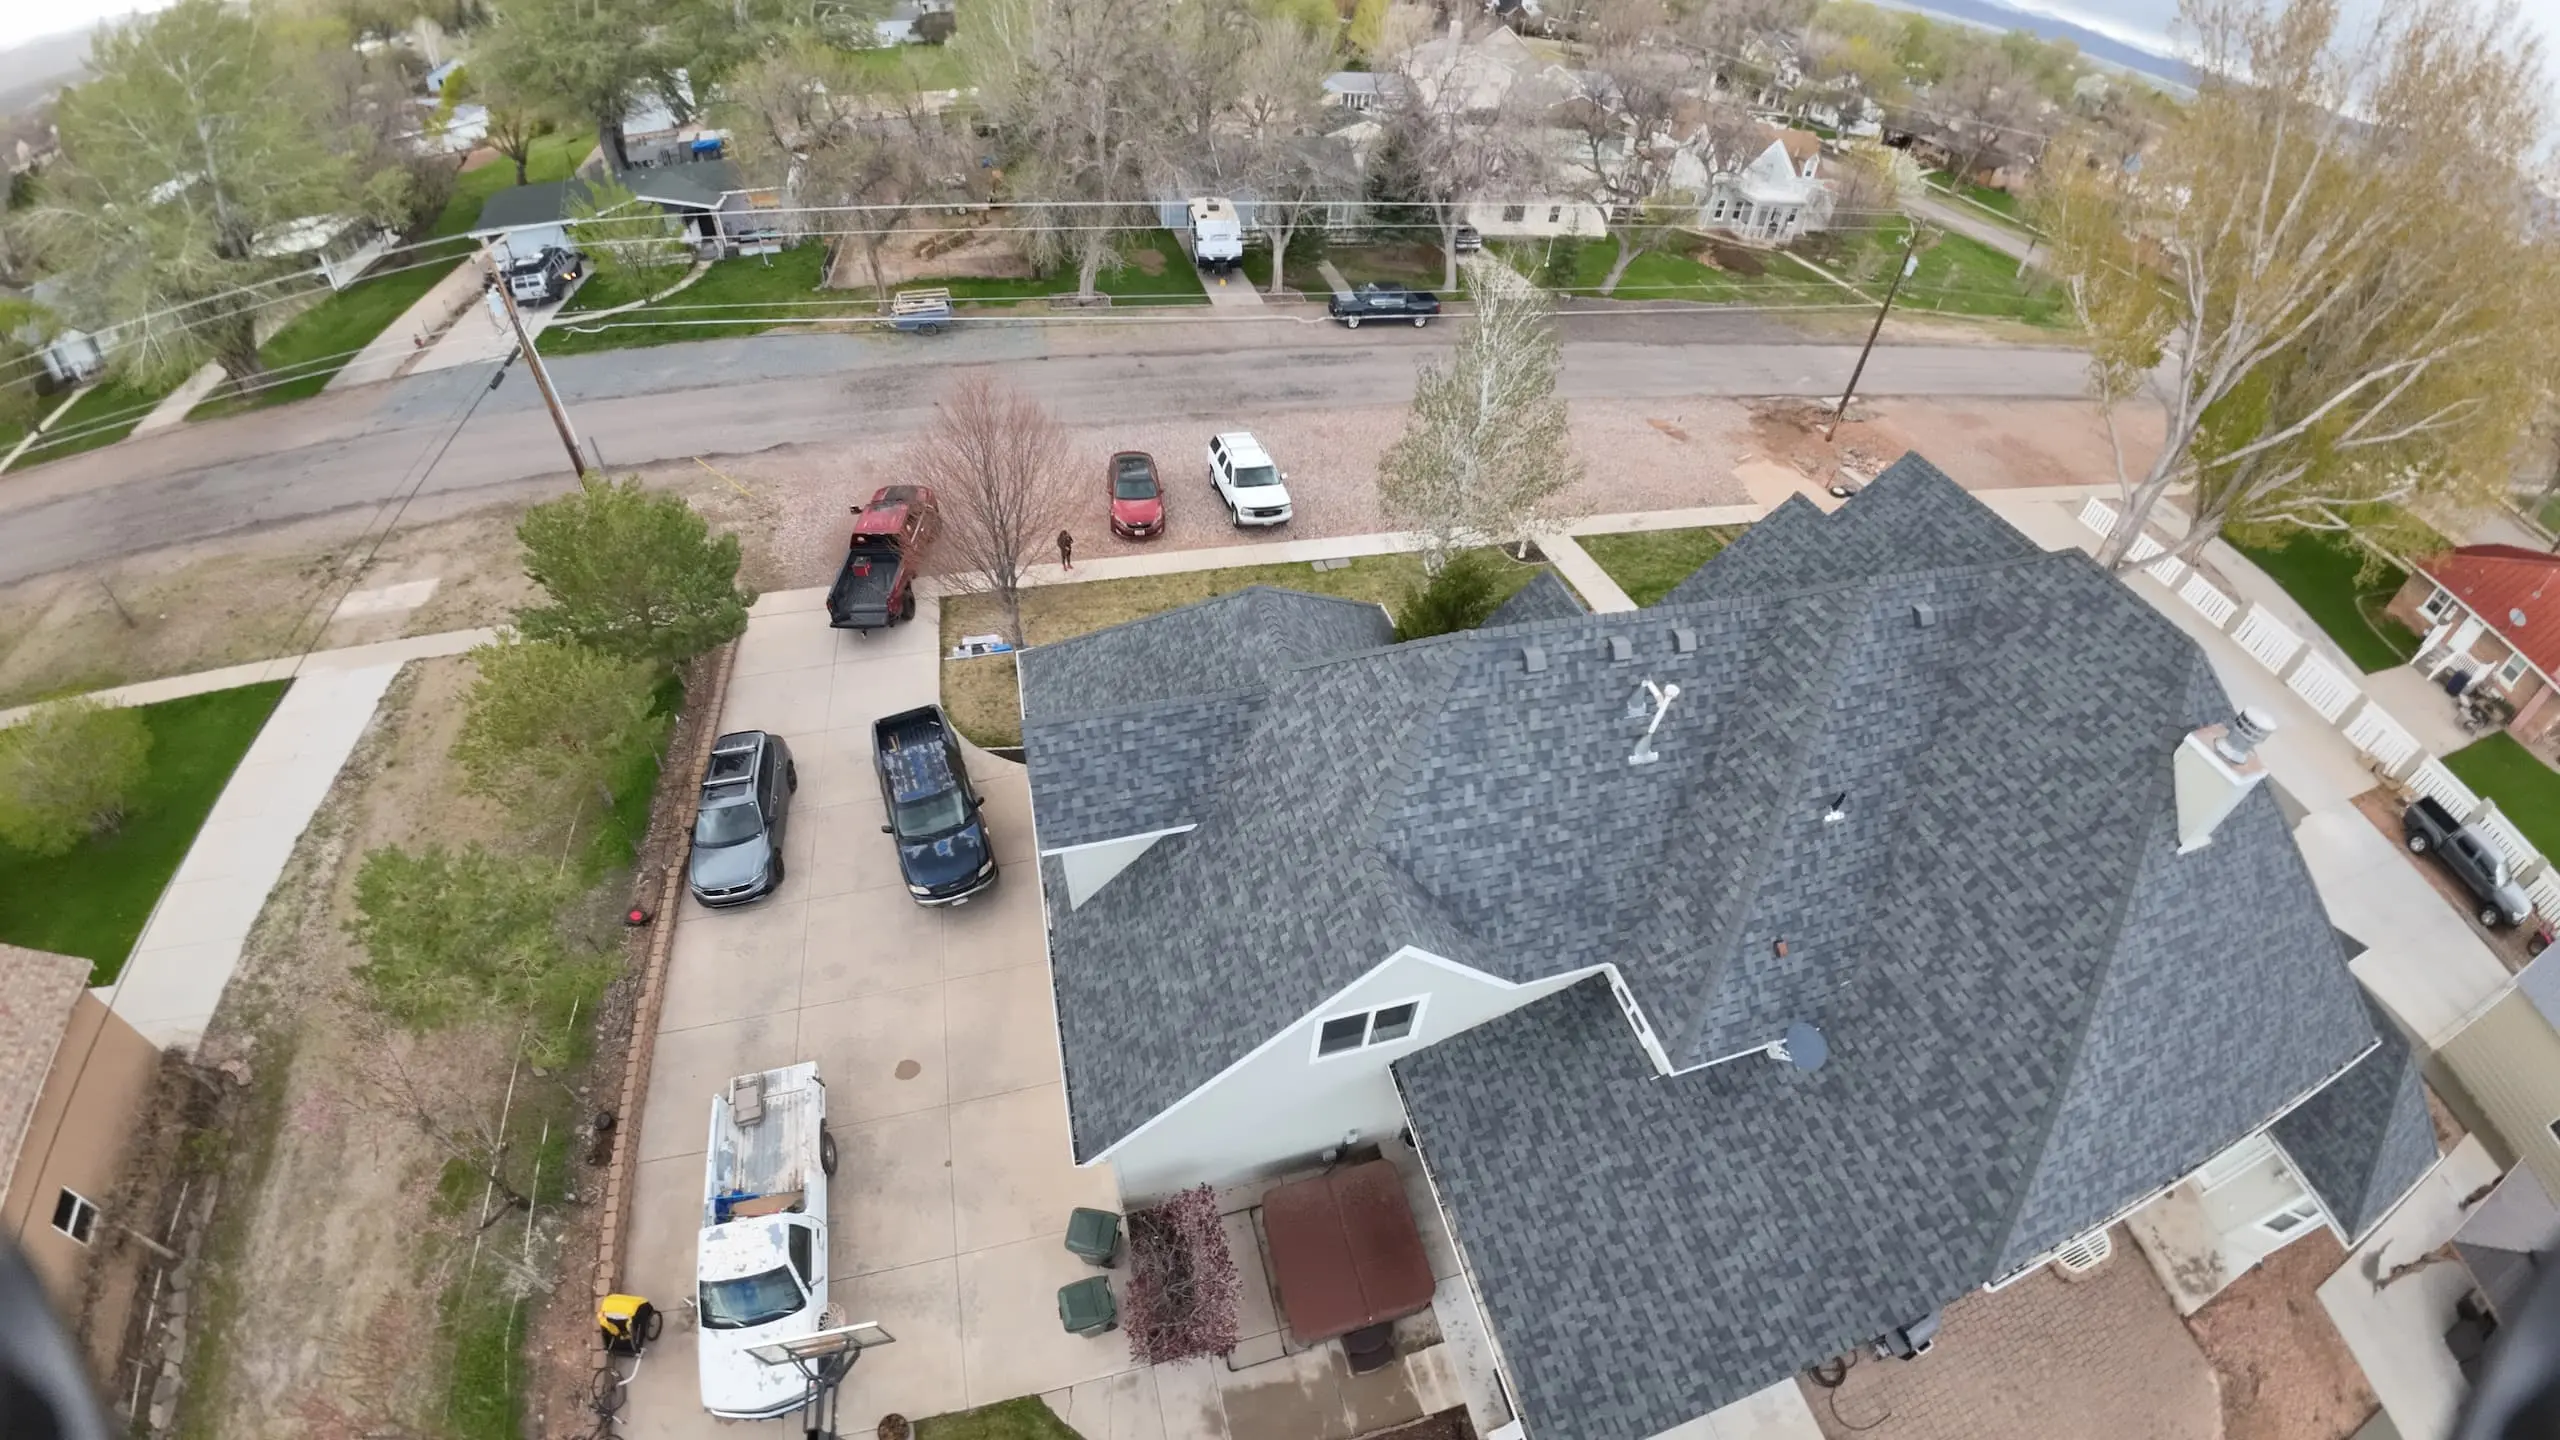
(31, 70)
(1992, 15)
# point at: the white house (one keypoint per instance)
(1770, 201)
(1688, 946)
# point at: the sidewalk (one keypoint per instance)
(389, 355)
(173, 407)
(354, 657)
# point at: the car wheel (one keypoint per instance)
(791, 777)
(1421, 320)
(2491, 917)
(780, 868)
(827, 1152)
(1350, 322)
(907, 607)
(2418, 844)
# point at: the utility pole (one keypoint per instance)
(541, 376)
(1910, 262)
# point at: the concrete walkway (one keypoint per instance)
(404, 341)
(1963, 219)
(1584, 574)
(173, 407)
(1231, 291)
(191, 944)
(354, 657)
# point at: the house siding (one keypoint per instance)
(2501, 1076)
(1572, 217)
(1283, 1105)
(102, 1073)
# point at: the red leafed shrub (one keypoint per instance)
(1183, 1286)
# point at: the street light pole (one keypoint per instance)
(541, 376)
(1910, 262)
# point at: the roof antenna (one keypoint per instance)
(1839, 809)
(1662, 695)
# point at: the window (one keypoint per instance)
(2511, 672)
(2438, 605)
(2292, 1217)
(1512, 213)
(802, 1254)
(1383, 1026)
(1555, 214)
(74, 1216)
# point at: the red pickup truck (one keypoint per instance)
(876, 587)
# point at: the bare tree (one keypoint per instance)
(1002, 469)
(1623, 125)
(1982, 103)
(1443, 151)
(1486, 454)
(2325, 214)
(1296, 183)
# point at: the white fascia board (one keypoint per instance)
(1328, 1004)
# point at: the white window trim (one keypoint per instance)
(82, 1202)
(2512, 673)
(1368, 1016)
(2438, 607)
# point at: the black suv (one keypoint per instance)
(1379, 301)
(737, 832)
(943, 850)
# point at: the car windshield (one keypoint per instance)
(1254, 477)
(727, 824)
(1134, 480)
(921, 819)
(747, 1303)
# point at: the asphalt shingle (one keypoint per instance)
(2366, 1137)
(1545, 597)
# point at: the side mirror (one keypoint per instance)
(853, 509)
(885, 830)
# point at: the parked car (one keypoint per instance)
(1468, 241)
(545, 278)
(2472, 857)
(943, 850)
(760, 1267)
(875, 587)
(739, 826)
(1376, 300)
(1137, 499)
(1253, 488)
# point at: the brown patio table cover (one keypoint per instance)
(1344, 1252)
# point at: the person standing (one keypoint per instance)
(1066, 551)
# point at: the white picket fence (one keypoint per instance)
(2545, 891)
(2168, 570)
(2383, 739)
(2099, 517)
(2444, 787)
(2521, 856)
(2267, 638)
(2323, 686)
(2212, 604)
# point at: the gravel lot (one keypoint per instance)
(1637, 455)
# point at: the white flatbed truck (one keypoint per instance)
(761, 1268)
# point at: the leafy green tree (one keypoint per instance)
(191, 142)
(67, 772)
(550, 722)
(633, 242)
(448, 935)
(513, 127)
(1458, 597)
(631, 573)
(589, 58)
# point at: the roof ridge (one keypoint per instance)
(1136, 706)
(2140, 799)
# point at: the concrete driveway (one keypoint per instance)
(934, 1033)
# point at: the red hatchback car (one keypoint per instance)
(1137, 501)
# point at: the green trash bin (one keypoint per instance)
(1095, 1236)
(1087, 1307)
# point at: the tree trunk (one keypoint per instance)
(1627, 253)
(609, 139)
(2137, 509)
(1448, 256)
(1088, 269)
(520, 155)
(1279, 255)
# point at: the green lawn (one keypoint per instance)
(738, 296)
(2527, 791)
(1648, 563)
(1028, 1418)
(2006, 205)
(553, 157)
(106, 414)
(2551, 511)
(934, 66)
(93, 901)
(1958, 274)
(2319, 569)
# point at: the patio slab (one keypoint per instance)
(1012, 1342)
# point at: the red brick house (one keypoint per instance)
(2492, 612)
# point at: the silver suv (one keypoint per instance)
(1247, 481)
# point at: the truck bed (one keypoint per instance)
(859, 600)
(770, 1158)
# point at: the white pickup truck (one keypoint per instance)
(761, 1271)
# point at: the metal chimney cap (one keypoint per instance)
(2247, 730)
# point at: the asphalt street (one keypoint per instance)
(362, 446)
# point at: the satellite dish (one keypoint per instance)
(1803, 1047)
(2516, 617)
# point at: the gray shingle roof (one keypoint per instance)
(544, 204)
(2366, 1137)
(695, 184)
(1545, 597)
(2038, 1012)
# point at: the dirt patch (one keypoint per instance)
(2284, 1372)
(972, 249)
(1984, 444)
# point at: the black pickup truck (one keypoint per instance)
(2472, 857)
(1382, 302)
(943, 850)
(876, 586)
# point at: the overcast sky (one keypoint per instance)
(2138, 22)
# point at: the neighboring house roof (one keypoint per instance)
(37, 992)
(2366, 1137)
(694, 184)
(2038, 1011)
(546, 203)
(2514, 591)
(1545, 597)
(2506, 1062)
(1383, 85)
(1801, 146)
